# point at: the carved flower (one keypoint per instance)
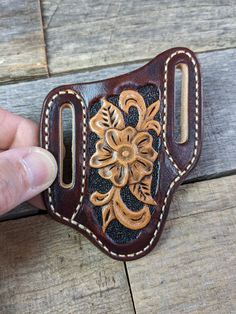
(124, 156)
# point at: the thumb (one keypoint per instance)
(24, 173)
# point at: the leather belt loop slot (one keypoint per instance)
(181, 96)
(67, 145)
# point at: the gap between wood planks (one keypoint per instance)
(210, 177)
(91, 36)
(92, 32)
(218, 155)
(38, 212)
(130, 288)
(43, 36)
(138, 63)
(202, 242)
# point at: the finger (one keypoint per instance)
(19, 132)
(15, 131)
(24, 173)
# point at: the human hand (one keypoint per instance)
(25, 169)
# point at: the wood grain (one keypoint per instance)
(88, 34)
(46, 267)
(49, 268)
(22, 49)
(193, 268)
(219, 93)
(205, 196)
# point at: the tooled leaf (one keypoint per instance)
(107, 215)
(100, 199)
(134, 220)
(131, 98)
(153, 125)
(142, 190)
(152, 110)
(108, 116)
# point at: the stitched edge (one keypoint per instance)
(83, 148)
(174, 181)
(165, 102)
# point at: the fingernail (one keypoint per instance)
(41, 167)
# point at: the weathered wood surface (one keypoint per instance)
(205, 196)
(101, 33)
(219, 94)
(46, 267)
(193, 268)
(85, 34)
(49, 268)
(22, 48)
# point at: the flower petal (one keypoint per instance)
(142, 139)
(116, 137)
(116, 173)
(148, 153)
(140, 168)
(103, 156)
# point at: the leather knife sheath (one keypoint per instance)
(125, 161)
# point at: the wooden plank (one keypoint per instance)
(46, 267)
(193, 268)
(219, 90)
(50, 268)
(23, 210)
(205, 196)
(22, 49)
(88, 34)
(219, 93)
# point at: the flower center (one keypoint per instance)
(126, 153)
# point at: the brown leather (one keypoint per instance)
(136, 182)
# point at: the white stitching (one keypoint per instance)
(172, 184)
(165, 108)
(165, 103)
(46, 130)
(84, 158)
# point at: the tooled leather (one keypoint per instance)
(172, 171)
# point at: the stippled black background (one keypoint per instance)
(117, 232)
